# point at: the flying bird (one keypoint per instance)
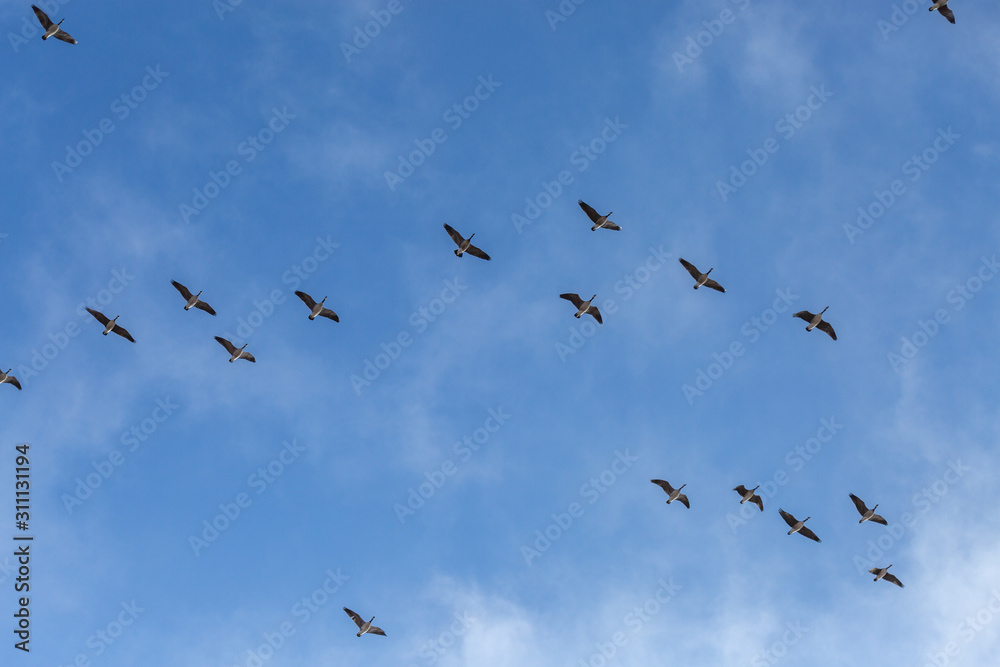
(53, 29)
(672, 493)
(867, 514)
(7, 378)
(748, 494)
(816, 321)
(798, 526)
(942, 7)
(316, 309)
(192, 299)
(583, 307)
(701, 278)
(110, 325)
(598, 219)
(883, 573)
(464, 245)
(237, 353)
(364, 627)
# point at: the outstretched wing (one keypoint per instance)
(13, 380)
(808, 533)
(684, 501)
(612, 226)
(742, 490)
(354, 617)
(663, 484)
(825, 326)
(789, 519)
(306, 299)
(326, 312)
(121, 331)
(572, 298)
(42, 18)
(230, 348)
(756, 500)
(455, 236)
(950, 15)
(476, 252)
(804, 315)
(185, 292)
(691, 268)
(201, 305)
(249, 357)
(860, 504)
(100, 316)
(714, 285)
(891, 577)
(879, 519)
(591, 213)
(375, 630)
(596, 313)
(64, 36)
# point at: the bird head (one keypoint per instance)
(755, 488)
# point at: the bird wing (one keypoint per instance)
(742, 490)
(101, 317)
(825, 326)
(891, 577)
(249, 357)
(185, 292)
(714, 285)
(691, 268)
(42, 18)
(201, 305)
(572, 298)
(860, 504)
(663, 484)
(306, 299)
(230, 348)
(756, 500)
(121, 331)
(455, 236)
(64, 36)
(354, 617)
(808, 533)
(878, 519)
(326, 312)
(13, 380)
(950, 15)
(596, 313)
(591, 213)
(684, 500)
(612, 226)
(804, 315)
(375, 630)
(789, 519)
(476, 252)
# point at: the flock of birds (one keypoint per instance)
(465, 246)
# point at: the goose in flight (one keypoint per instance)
(672, 493)
(942, 7)
(816, 321)
(237, 353)
(598, 219)
(748, 494)
(316, 309)
(364, 627)
(110, 325)
(798, 526)
(883, 573)
(583, 307)
(701, 278)
(53, 29)
(867, 514)
(464, 245)
(192, 299)
(7, 378)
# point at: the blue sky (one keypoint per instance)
(458, 456)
